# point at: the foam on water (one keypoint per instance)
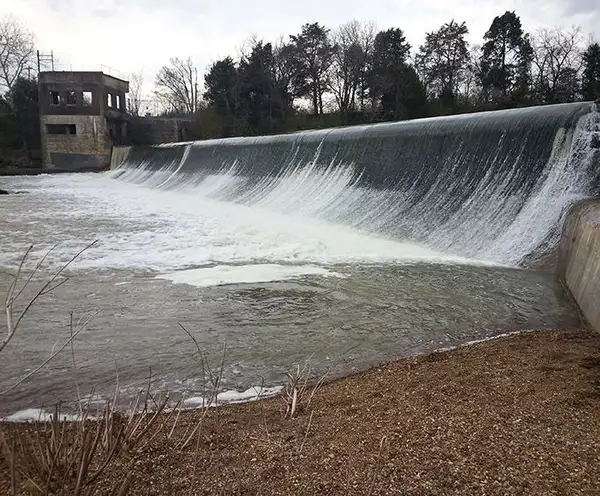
(232, 397)
(167, 231)
(38, 415)
(222, 275)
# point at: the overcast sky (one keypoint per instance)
(129, 35)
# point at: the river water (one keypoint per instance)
(259, 290)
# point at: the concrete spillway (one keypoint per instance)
(492, 186)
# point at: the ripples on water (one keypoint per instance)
(374, 314)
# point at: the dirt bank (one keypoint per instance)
(517, 415)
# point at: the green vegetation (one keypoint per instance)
(19, 114)
(19, 124)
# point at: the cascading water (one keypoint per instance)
(491, 186)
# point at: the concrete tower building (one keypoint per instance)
(82, 115)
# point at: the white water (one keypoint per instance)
(500, 221)
(231, 397)
(166, 231)
(38, 415)
(314, 220)
(221, 229)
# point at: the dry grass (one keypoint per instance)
(298, 395)
(62, 456)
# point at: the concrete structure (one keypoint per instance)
(82, 116)
(579, 258)
(157, 130)
(118, 156)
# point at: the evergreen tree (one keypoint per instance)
(395, 87)
(314, 56)
(9, 130)
(443, 61)
(284, 72)
(263, 107)
(590, 83)
(506, 60)
(222, 84)
(23, 98)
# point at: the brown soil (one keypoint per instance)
(518, 415)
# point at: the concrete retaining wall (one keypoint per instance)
(579, 258)
(118, 156)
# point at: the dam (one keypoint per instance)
(344, 247)
(490, 186)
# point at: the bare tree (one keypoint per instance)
(353, 43)
(244, 49)
(136, 82)
(557, 63)
(470, 87)
(177, 86)
(16, 51)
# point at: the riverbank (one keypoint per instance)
(516, 415)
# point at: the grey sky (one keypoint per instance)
(129, 35)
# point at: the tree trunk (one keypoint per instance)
(321, 102)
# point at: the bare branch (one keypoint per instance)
(71, 332)
(136, 83)
(177, 84)
(33, 272)
(54, 282)
(16, 51)
(353, 44)
(49, 284)
(52, 356)
(557, 63)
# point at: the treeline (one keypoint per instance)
(320, 78)
(354, 74)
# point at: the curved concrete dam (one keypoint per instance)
(345, 247)
(490, 186)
